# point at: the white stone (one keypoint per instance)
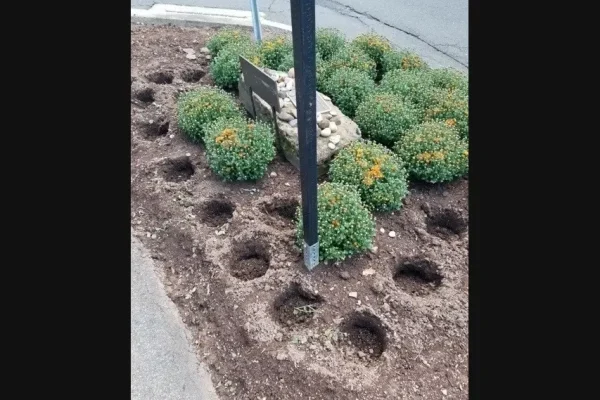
(333, 113)
(353, 294)
(319, 118)
(190, 56)
(444, 392)
(286, 80)
(289, 85)
(188, 154)
(335, 139)
(331, 146)
(205, 50)
(333, 127)
(281, 356)
(291, 73)
(171, 136)
(273, 174)
(392, 234)
(286, 184)
(326, 132)
(382, 230)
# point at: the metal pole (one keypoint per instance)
(256, 21)
(303, 36)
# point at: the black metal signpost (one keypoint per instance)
(303, 36)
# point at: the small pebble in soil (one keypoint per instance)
(188, 154)
(358, 302)
(335, 139)
(205, 50)
(293, 123)
(281, 356)
(344, 275)
(153, 236)
(273, 174)
(287, 184)
(353, 294)
(171, 136)
(312, 347)
(374, 249)
(326, 132)
(444, 392)
(333, 127)
(361, 354)
(445, 194)
(208, 57)
(392, 234)
(382, 230)
(291, 73)
(331, 146)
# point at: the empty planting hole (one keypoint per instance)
(178, 169)
(161, 77)
(285, 208)
(155, 128)
(216, 212)
(145, 95)
(250, 260)
(446, 223)
(366, 333)
(192, 75)
(296, 305)
(418, 275)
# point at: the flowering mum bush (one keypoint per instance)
(448, 78)
(345, 225)
(433, 152)
(348, 87)
(349, 57)
(375, 171)
(384, 117)
(224, 38)
(402, 60)
(329, 41)
(414, 86)
(376, 46)
(239, 149)
(225, 68)
(450, 106)
(273, 52)
(198, 108)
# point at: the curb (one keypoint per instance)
(200, 16)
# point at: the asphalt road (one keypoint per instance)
(438, 30)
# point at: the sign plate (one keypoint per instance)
(260, 83)
(321, 104)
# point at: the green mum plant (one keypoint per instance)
(225, 37)
(225, 68)
(345, 226)
(329, 41)
(376, 46)
(414, 86)
(433, 152)
(287, 63)
(384, 117)
(402, 60)
(196, 109)
(273, 51)
(239, 149)
(348, 88)
(349, 57)
(450, 106)
(451, 79)
(376, 172)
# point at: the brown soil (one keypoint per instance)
(233, 270)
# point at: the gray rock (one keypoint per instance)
(284, 116)
(331, 146)
(344, 275)
(337, 120)
(362, 354)
(335, 139)
(326, 132)
(205, 50)
(333, 127)
(323, 123)
(294, 122)
(291, 73)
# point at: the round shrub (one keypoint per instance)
(448, 78)
(239, 149)
(345, 225)
(376, 46)
(329, 41)
(273, 51)
(348, 88)
(402, 60)
(287, 63)
(350, 57)
(384, 117)
(376, 172)
(224, 38)
(225, 68)
(198, 108)
(433, 152)
(414, 86)
(450, 106)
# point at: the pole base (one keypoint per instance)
(311, 255)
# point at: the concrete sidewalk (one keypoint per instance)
(163, 364)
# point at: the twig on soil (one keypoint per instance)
(307, 309)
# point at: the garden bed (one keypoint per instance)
(266, 327)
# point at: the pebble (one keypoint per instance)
(445, 194)
(190, 56)
(291, 73)
(353, 294)
(337, 120)
(326, 132)
(333, 127)
(344, 275)
(273, 174)
(382, 230)
(289, 85)
(323, 124)
(386, 307)
(188, 154)
(319, 118)
(287, 184)
(444, 392)
(153, 236)
(281, 356)
(284, 116)
(171, 136)
(293, 123)
(281, 85)
(392, 234)
(205, 50)
(286, 80)
(312, 347)
(333, 113)
(188, 50)
(362, 354)
(374, 249)
(331, 146)
(335, 139)
(208, 57)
